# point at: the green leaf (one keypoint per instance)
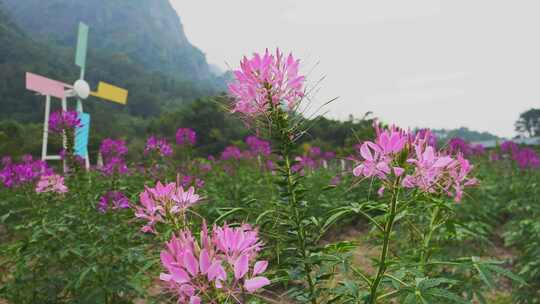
(442, 293)
(430, 283)
(228, 213)
(505, 272)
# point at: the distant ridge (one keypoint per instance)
(147, 32)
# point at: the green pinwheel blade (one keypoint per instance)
(82, 42)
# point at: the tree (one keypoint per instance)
(528, 123)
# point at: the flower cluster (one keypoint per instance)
(223, 263)
(113, 148)
(53, 183)
(414, 162)
(113, 153)
(164, 201)
(28, 171)
(258, 146)
(526, 158)
(459, 145)
(509, 146)
(231, 152)
(158, 145)
(186, 136)
(428, 136)
(312, 159)
(266, 81)
(435, 172)
(63, 120)
(188, 180)
(113, 200)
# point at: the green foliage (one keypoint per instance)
(528, 123)
(67, 252)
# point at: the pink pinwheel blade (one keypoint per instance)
(45, 85)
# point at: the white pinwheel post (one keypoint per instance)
(79, 90)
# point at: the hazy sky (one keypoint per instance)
(429, 63)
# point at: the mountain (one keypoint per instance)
(151, 93)
(465, 133)
(146, 32)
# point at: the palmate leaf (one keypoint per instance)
(443, 293)
(505, 272)
(483, 272)
(430, 283)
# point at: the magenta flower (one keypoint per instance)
(266, 81)
(231, 152)
(113, 148)
(303, 163)
(188, 181)
(115, 165)
(186, 136)
(526, 158)
(160, 203)
(19, 174)
(63, 120)
(52, 183)
(509, 147)
(258, 146)
(113, 200)
(196, 269)
(157, 145)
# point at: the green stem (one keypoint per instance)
(424, 255)
(386, 241)
(282, 130)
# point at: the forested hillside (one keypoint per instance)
(146, 32)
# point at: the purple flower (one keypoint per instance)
(509, 147)
(113, 148)
(113, 200)
(158, 145)
(527, 158)
(186, 136)
(19, 174)
(303, 163)
(115, 165)
(191, 181)
(329, 155)
(314, 152)
(231, 152)
(63, 120)
(258, 146)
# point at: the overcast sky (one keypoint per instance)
(427, 63)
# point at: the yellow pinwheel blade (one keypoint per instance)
(111, 93)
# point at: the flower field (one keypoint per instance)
(402, 218)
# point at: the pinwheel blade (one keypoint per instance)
(82, 43)
(46, 86)
(112, 93)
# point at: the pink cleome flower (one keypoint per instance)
(425, 168)
(158, 202)
(51, 183)
(265, 81)
(219, 262)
